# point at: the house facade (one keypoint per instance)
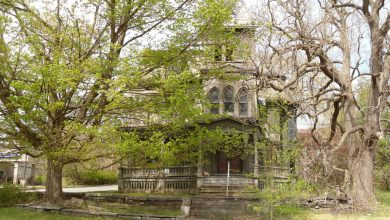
(19, 168)
(238, 102)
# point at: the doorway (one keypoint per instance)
(222, 164)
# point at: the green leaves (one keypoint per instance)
(74, 74)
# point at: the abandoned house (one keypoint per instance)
(241, 105)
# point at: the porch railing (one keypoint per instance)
(179, 171)
(276, 172)
(179, 178)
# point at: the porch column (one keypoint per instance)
(221, 105)
(199, 172)
(256, 164)
(16, 169)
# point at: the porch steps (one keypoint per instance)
(215, 186)
(218, 208)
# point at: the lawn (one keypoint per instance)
(382, 212)
(20, 214)
(138, 209)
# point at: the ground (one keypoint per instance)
(19, 214)
(284, 212)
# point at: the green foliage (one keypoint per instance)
(279, 200)
(40, 179)
(73, 74)
(86, 177)
(99, 177)
(382, 165)
(286, 211)
(12, 194)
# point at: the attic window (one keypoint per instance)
(229, 53)
(218, 53)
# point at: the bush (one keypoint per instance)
(382, 165)
(12, 194)
(99, 177)
(39, 180)
(383, 178)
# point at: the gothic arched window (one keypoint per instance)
(228, 99)
(243, 102)
(214, 101)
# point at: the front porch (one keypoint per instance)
(186, 179)
(216, 169)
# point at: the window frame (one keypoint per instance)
(228, 102)
(241, 93)
(214, 108)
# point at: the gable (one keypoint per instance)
(228, 124)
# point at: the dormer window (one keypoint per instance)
(214, 101)
(218, 53)
(243, 102)
(228, 99)
(223, 53)
(229, 53)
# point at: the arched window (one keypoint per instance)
(243, 102)
(214, 100)
(228, 99)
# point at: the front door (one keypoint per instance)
(222, 164)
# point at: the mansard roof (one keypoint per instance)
(229, 67)
(227, 123)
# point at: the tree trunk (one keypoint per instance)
(54, 182)
(362, 178)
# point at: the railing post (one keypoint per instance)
(228, 177)
(161, 180)
(121, 184)
(199, 172)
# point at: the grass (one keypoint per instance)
(19, 214)
(382, 211)
(140, 209)
(292, 212)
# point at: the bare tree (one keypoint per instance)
(322, 49)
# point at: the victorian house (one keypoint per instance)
(240, 104)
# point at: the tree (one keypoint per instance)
(70, 70)
(318, 50)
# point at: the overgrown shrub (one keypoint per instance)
(12, 194)
(99, 177)
(382, 165)
(382, 176)
(282, 201)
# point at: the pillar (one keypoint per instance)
(256, 164)
(16, 169)
(199, 172)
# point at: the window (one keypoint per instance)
(218, 53)
(243, 102)
(228, 99)
(214, 100)
(229, 53)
